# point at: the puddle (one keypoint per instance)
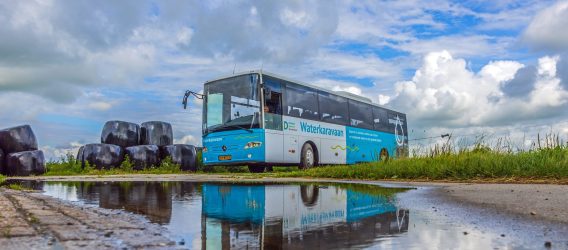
(288, 216)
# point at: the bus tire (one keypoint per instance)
(384, 155)
(308, 159)
(256, 169)
(309, 195)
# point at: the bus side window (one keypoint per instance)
(333, 108)
(380, 119)
(272, 103)
(360, 115)
(301, 102)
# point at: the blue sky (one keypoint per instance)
(66, 67)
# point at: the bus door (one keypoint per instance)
(274, 147)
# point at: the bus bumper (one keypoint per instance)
(235, 147)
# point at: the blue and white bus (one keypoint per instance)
(260, 120)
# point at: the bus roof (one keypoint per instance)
(339, 93)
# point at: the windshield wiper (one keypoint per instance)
(241, 127)
(226, 127)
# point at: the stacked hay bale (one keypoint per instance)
(146, 146)
(19, 154)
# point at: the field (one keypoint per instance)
(478, 163)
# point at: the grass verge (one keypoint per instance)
(70, 166)
(481, 164)
(549, 163)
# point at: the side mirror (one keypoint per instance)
(187, 94)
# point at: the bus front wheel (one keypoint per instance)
(308, 157)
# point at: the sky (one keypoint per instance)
(469, 68)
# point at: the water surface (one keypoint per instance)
(291, 216)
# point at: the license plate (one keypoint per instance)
(224, 157)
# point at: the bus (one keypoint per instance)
(260, 119)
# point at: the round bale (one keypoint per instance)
(79, 157)
(102, 156)
(143, 156)
(2, 162)
(124, 134)
(25, 163)
(156, 133)
(181, 154)
(17, 139)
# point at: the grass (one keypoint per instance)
(70, 166)
(17, 186)
(466, 165)
(480, 162)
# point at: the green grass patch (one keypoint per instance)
(70, 166)
(549, 163)
(17, 186)
(478, 163)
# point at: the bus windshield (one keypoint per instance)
(232, 103)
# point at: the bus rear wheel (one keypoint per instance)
(384, 155)
(308, 159)
(256, 169)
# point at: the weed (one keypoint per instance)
(126, 165)
(17, 186)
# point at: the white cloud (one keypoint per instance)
(384, 99)
(349, 89)
(187, 139)
(184, 36)
(443, 92)
(101, 106)
(57, 153)
(547, 29)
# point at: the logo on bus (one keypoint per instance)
(290, 126)
(318, 129)
(399, 137)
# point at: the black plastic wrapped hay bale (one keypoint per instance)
(79, 157)
(124, 134)
(143, 156)
(102, 156)
(181, 154)
(25, 163)
(2, 161)
(17, 139)
(156, 133)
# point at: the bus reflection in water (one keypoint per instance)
(292, 217)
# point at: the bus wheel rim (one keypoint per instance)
(309, 158)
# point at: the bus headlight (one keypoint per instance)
(253, 144)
